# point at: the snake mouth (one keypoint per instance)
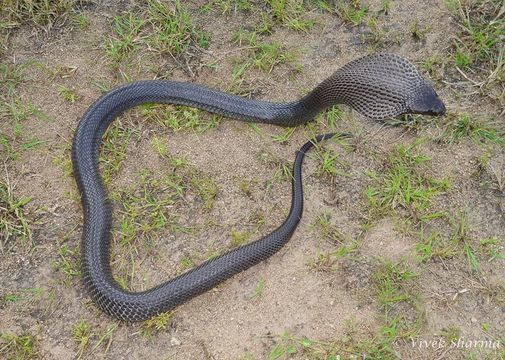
(427, 103)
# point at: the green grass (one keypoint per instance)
(14, 225)
(179, 118)
(402, 185)
(113, 149)
(259, 289)
(461, 238)
(126, 37)
(145, 205)
(152, 205)
(477, 47)
(322, 224)
(493, 248)
(67, 94)
(395, 284)
(266, 56)
(282, 167)
(238, 238)
(18, 347)
(81, 333)
(290, 13)
(284, 137)
(390, 284)
(418, 31)
(172, 29)
(461, 126)
(353, 13)
(287, 346)
(42, 13)
(68, 264)
(156, 324)
(158, 28)
(227, 6)
(262, 55)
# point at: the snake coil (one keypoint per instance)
(378, 86)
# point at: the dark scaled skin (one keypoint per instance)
(378, 86)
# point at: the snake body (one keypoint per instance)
(378, 86)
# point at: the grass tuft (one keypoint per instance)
(402, 185)
(13, 223)
(18, 346)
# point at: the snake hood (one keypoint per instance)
(378, 86)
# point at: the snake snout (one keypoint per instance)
(427, 103)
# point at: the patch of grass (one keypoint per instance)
(113, 149)
(262, 55)
(326, 229)
(284, 137)
(286, 346)
(180, 118)
(390, 282)
(145, 205)
(403, 312)
(14, 225)
(282, 167)
(451, 333)
(493, 247)
(260, 288)
(20, 347)
(206, 189)
(158, 27)
(106, 337)
(63, 160)
(329, 163)
(81, 333)
(330, 117)
(353, 13)
(23, 294)
(433, 245)
(126, 37)
(11, 75)
(172, 29)
(80, 20)
(460, 126)
(290, 13)
(227, 6)
(478, 46)
(461, 237)
(266, 56)
(156, 324)
(68, 264)
(186, 263)
(42, 13)
(67, 94)
(151, 204)
(419, 32)
(402, 185)
(238, 238)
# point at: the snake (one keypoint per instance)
(378, 86)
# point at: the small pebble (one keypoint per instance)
(474, 320)
(174, 341)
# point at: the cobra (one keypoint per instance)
(378, 86)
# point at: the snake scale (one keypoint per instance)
(378, 86)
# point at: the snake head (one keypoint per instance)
(425, 102)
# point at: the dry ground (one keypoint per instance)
(400, 252)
